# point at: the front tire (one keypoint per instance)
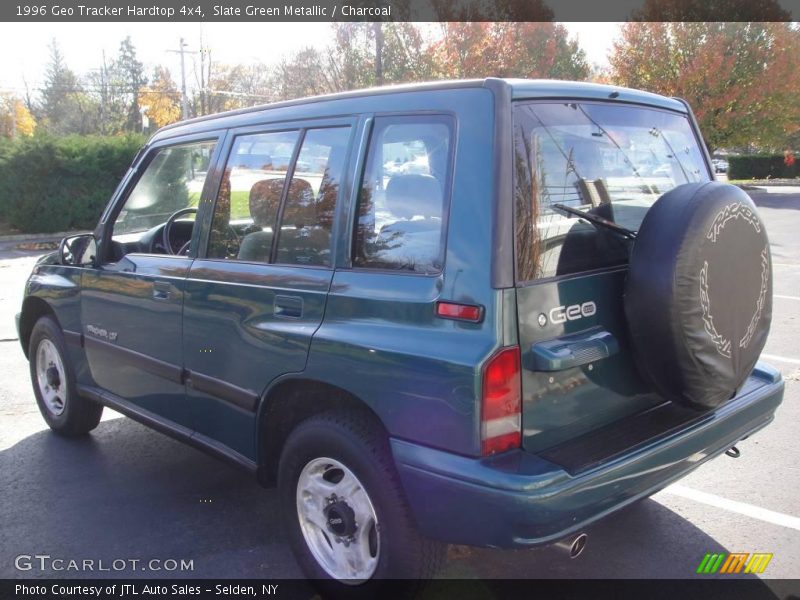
(348, 522)
(53, 379)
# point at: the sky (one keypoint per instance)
(24, 46)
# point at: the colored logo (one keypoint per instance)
(735, 562)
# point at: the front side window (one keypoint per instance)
(172, 180)
(610, 161)
(402, 200)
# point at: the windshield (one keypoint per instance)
(611, 161)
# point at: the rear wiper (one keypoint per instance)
(596, 220)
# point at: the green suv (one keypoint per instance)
(479, 312)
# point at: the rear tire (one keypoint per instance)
(337, 476)
(53, 379)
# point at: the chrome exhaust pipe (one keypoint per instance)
(572, 546)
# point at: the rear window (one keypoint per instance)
(612, 161)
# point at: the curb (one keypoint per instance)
(26, 237)
(767, 183)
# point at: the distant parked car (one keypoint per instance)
(720, 165)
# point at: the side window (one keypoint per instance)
(307, 217)
(402, 200)
(172, 180)
(247, 205)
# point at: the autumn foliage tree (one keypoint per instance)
(349, 61)
(15, 118)
(161, 100)
(504, 49)
(711, 10)
(741, 79)
(406, 56)
(492, 10)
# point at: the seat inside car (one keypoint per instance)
(265, 197)
(416, 205)
(302, 241)
(415, 201)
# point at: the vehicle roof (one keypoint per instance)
(521, 89)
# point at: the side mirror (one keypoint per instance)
(78, 251)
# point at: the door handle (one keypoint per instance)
(573, 350)
(161, 290)
(288, 306)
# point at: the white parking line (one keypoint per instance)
(792, 361)
(742, 508)
(786, 297)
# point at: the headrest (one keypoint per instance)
(414, 195)
(265, 197)
(300, 206)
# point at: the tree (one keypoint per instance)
(129, 78)
(710, 10)
(740, 78)
(488, 10)
(114, 86)
(498, 49)
(59, 82)
(15, 118)
(406, 56)
(347, 63)
(361, 55)
(235, 86)
(251, 83)
(303, 73)
(503, 49)
(350, 60)
(65, 107)
(110, 117)
(161, 100)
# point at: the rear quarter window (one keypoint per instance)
(402, 201)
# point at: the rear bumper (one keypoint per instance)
(518, 499)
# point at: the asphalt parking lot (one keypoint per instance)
(128, 492)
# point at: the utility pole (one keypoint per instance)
(205, 77)
(184, 98)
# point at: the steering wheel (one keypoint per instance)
(168, 227)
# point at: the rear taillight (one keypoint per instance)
(501, 405)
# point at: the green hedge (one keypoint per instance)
(761, 166)
(58, 184)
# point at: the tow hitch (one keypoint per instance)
(733, 452)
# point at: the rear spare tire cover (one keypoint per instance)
(698, 297)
